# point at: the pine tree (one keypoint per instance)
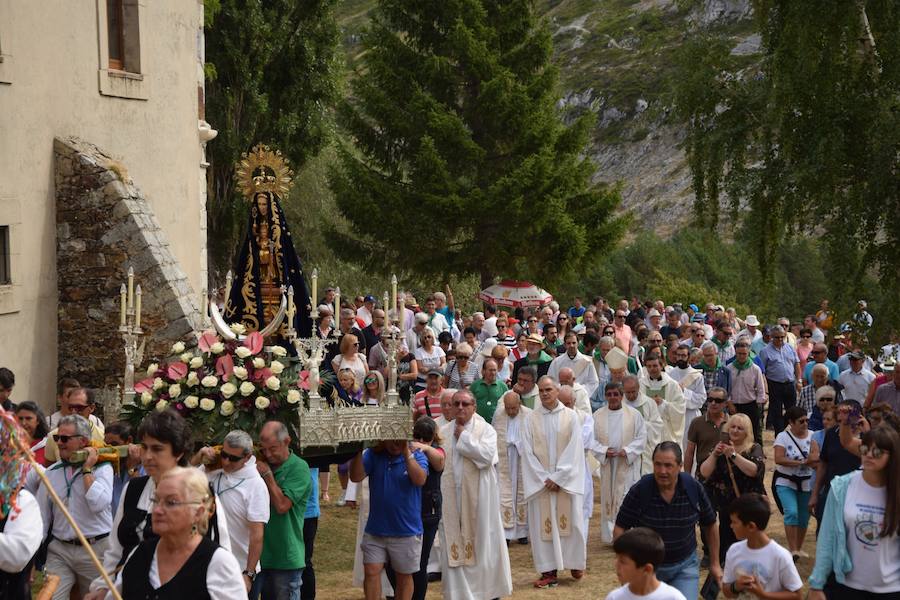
(460, 162)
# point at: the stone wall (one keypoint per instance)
(104, 226)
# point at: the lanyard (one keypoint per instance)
(69, 482)
(219, 490)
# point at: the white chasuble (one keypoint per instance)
(621, 429)
(475, 561)
(653, 425)
(513, 511)
(694, 389)
(553, 449)
(672, 407)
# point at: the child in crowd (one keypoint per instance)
(638, 552)
(756, 565)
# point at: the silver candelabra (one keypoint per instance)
(132, 334)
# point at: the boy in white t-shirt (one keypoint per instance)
(638, 552)
(756, 565)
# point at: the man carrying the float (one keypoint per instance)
(553, 469)
(509, 424)
(475, 562)
(618, 444)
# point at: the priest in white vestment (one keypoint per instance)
(653, 423)
(509, 423)
(582, 398)
(665, 391)
(475, 561)
(553, 469)
(619, 439)
(581, 364)
(567, 397)
(692, 386)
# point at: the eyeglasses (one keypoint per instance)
(620, 316)
(170, 504)
(873, 451)
(79, 408)
(460, 404)
(370, 380)
(64, 439)
(806, 337)
(532, 320)
(230, 457)
(801, 420)
(716, 400)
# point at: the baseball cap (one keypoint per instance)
(369, 298)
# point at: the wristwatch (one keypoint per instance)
(251, 575)
(733, 455)
(87, 470)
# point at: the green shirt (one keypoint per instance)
(487, 397)
(283, 539)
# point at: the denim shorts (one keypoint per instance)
(402, 553)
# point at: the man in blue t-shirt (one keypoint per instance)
(394, 529)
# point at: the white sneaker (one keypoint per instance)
(343, 499)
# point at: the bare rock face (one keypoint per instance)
(104, 226)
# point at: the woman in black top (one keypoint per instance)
(735, 467)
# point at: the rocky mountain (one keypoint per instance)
(616, 59)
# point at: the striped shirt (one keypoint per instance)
(674, 521)
(434, 404)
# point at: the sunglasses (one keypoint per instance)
(532, 320)
(64, 439)
(716, 400)
(370, 380)
(873, 451)
(230, 457)
(459, 404)
(609, 332)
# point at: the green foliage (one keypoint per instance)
(452, 117)
(806, 141)
(272, 78)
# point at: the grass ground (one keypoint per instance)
(337, 536)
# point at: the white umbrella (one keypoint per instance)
(517, 294)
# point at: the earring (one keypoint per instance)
(194, 529)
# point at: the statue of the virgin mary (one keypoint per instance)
(267, 263)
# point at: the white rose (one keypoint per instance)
(258, 363)
(186, 357)
(276, 367)
(279, 351)
(228, 390)
(196, 362)
(146, 397)
(152, 369)
(191, 401)
(242, 352)
(247, 388)
(262, 403)
(210, 381)
(293, 396)
(227, 408)
(240, 373)
(192, 379)
(174, 390)
(273, 383)
(177, 347)
(207, 404)
(217, 348)
(161, 405)
(238, 328)
(158, 384)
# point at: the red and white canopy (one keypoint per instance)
(517, 294)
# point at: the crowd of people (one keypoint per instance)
(520, 419)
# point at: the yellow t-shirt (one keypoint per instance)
(51, 450)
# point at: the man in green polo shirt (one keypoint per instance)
(289, 483)
(488, 390)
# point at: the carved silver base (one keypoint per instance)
(344, 424)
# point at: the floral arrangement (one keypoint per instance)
(222, 385)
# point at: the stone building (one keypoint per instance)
(102, 168)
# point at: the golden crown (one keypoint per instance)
(263, 170)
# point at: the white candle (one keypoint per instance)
(337, 306)
(315, 289)
(123, 301)
(137, 308)
(402, 309)
(290, 306)
(387, 311)
(393, 294)
(130, 288)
